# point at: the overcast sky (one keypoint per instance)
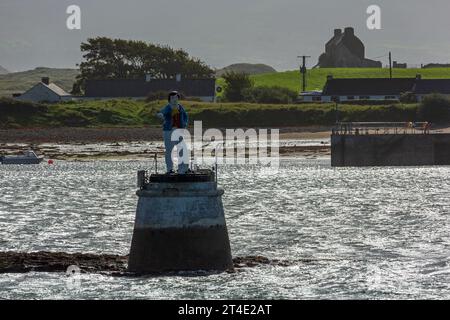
(220, 32)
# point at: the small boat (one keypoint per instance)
(28, 157)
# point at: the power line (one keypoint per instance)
(383, 56)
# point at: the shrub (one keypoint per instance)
(371, 102)
(72, 118)
(15, 113)
(193, 99)
(235, 84)
(157, 95)
(11, 107)
(434, 108)
(272, 94)
(408, 97)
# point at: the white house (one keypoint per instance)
(310, 96)
(381, 88)
(366, 89)
(45, 91)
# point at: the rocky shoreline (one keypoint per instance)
(85, 144)
(95, 135)
(123, 152)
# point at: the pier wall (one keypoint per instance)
(390, 150)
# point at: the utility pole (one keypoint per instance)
(303, 71)
(336, 110)
(390, 65)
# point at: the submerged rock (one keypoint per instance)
(59, 262)
(115, 265)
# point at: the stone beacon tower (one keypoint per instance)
(180, 224)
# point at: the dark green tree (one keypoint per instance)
(235, 85)
(434, 108)
(106, 58)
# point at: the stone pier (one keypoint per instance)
(390, 150)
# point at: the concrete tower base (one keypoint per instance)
(180, 225)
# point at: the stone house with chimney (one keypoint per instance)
(345, 50)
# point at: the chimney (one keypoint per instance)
(418, 76)
(337, 32)
(148, 77)
(45, 80)
(329, 77)
(178, 77)
(349, 31)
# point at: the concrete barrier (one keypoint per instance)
(180, 225)
(390, 150)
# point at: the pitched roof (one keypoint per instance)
(59, 91)
(141, 88)
(52, 87)
(368, 86)
(336, 40)
(428, 86)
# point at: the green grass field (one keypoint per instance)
(133, 113)
(316, 78)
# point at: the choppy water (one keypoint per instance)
(372, 233)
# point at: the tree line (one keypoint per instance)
(106, 58)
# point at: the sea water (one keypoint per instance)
(369, 233)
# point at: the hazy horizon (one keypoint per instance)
(34, 34)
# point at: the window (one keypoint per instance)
(350, 97)
(364, 97)
(316, 98)
(335, 99)
(390, 98)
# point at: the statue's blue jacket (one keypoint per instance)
(167, 113)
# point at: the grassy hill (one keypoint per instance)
(248, 68)
(21, 81)
(3, 70)
(316, 78)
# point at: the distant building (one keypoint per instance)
(435, 65)
(44, 91)
(382, 88)
(345, 50)
(397, 65)
(366, 89)
(310, 96)
(203, 89)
